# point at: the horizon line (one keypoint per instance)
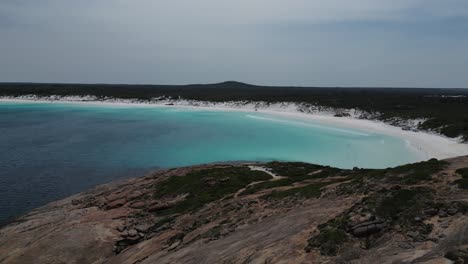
(233, 82)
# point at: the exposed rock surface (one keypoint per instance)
(323, 215)
(368, 228)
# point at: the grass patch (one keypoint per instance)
(207, 185)
(416, 172)
(463, 172)
(402, 207)
(398, 202)
(331, 237)
(293, 169)
(407, 174)
(463, 182)
(213, 233)
(313, 190)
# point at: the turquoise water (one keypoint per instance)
(51, 150)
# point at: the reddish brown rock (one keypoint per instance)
(235, 229)
(115, 204)
(137, 205)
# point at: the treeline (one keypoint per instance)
(447, 109)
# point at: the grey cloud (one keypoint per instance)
(299, 42)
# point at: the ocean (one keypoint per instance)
(52, 150)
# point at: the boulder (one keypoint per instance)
(132, 233)
(431, 212)
(452, 211)
(121, 228)
(134, 195)
(367, 228)
(158, 207)
(137, 205)
(113, 197)
(143, 228)
(442, 213)
(115, 204)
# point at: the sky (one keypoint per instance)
(372, 43)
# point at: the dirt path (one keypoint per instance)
(263, 169)
(266, 170)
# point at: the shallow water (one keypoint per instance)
(52, 150)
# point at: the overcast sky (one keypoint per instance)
(406, 43)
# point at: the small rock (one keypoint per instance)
(141, 234)
(418, 219)
(142, 228)
(132, 233)
(113, 197)
(367, 228)
(158, 207)
(464, 249)
(452, 255)
(121, 228)
(420, 238)
(122, 243)
(134, 195)
(442, 214)
(444, 225)
(441, 235)
(174, 245)
(133, 239)
(452, 211)
(405, 245)
(137, 205)
(413, 234)
(431, 212)
(115, 204)
(75, 202)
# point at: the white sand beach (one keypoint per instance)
(426, 145)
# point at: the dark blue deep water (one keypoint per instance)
(52, 150)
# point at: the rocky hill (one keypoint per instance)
(256, 213)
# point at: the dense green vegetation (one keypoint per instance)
(400, 201)
(332, 235)
(414, 173)
(402, 205)
(445, 109)
(406, 174)
(463, 182)
(204, 186)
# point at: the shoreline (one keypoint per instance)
(426, 145)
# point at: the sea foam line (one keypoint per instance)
(345, 131)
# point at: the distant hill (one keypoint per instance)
(227, 84)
